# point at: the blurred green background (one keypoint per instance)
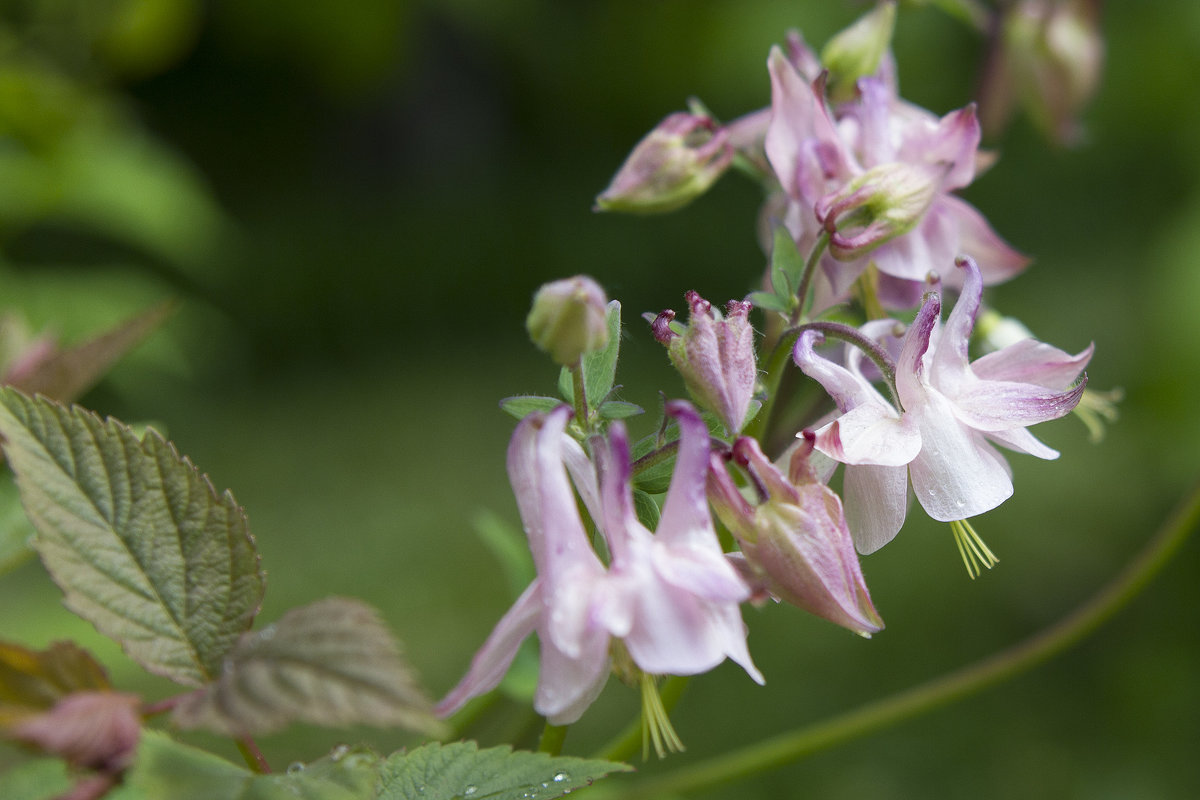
(355, 202)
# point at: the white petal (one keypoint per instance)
(957, 474)
(876, 504)
(872, 433)
(567, 686)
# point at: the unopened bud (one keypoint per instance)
(884, 202)
(715, 356)
(568, 319)
(674, 164)
(857, 51)
(795, 540)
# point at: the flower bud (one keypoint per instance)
(674, 164)
(715, 356)
(568, 319)
(856, 51)
(795, 542)
(884, 202)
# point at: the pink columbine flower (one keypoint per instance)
(950, 413)
(795, 542)
(816, 153)
(670, 596)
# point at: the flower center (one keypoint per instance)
(975, 554)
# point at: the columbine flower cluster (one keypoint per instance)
(863, 222)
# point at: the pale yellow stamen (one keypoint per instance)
(656, 725)
(975, 554)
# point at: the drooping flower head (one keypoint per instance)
(951, 412)
(670, 596)
(795, 541)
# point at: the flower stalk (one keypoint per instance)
(794, 745)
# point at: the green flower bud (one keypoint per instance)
(856, 51)
(568, 319)
(674, 164)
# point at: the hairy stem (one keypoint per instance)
(795, 745)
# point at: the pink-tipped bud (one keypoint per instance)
(715, 356)
(674, 164)
(884, 202)
(568, 319)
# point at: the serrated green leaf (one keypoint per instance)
(619, 409)
(137, 538)
(166, 768)
(600, 367)
(522, 406)
(767, 302)
(647, 510)
(461, 771)
(332, 662)
(787, 266)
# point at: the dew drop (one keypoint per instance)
(295, 768)
(267, 633)
(339, 752)
(470, 790)
(559, 777)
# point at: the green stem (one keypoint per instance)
(776, 363)
(810, 269)
(629, 741)
(552, 739)
(870, 348)
(254, 757)
(794, 745)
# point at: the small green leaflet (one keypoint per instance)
(461, 771)
(787, 268)
(137, 538)
(332, 662)
(523, 405)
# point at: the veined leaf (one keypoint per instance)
(523, 405)
(600, 368)
(137, 538)
(787, 266)
(461, 771)
(332, 662)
